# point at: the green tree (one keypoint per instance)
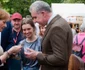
(20, 6)
(1, 3)
(50, 1)
(54, 1)
(74, 1)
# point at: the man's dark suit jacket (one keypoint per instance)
(6, 37)
(6, 41)
(56, 45)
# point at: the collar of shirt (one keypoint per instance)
(13, 29)
(53, 15)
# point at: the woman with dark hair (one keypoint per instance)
(32, 41)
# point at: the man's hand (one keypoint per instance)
(31, 54)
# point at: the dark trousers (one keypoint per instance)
(5, 67)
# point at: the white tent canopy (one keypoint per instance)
(68, 9)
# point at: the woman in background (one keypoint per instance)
(42, 30)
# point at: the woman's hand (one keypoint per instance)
(4, 57)
(14, 49)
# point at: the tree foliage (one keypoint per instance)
(74, 1)
(22, 6)
(54, 1)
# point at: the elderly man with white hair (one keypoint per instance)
(57, 40)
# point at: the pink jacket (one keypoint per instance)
(80, 36)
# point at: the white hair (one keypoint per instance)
(82, 27)
(39, 6)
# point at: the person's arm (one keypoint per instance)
(59, 47)
(4, 57)
(14, 49)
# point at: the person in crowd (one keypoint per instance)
(36, 25)
(79, 43)
(77, 30)
(73, 30)
(4, 17)
(16, 19)
(6, 39)
(31, 41)
(5, 35)
(57, 41)
(42, 30)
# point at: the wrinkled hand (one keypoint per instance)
(3, 57)
(15, 49)
(31, 54)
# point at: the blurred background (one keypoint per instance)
(22, 6)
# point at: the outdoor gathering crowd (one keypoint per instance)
(42, 41)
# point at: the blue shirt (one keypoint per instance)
(29, 63)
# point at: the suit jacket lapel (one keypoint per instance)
(49, 25)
